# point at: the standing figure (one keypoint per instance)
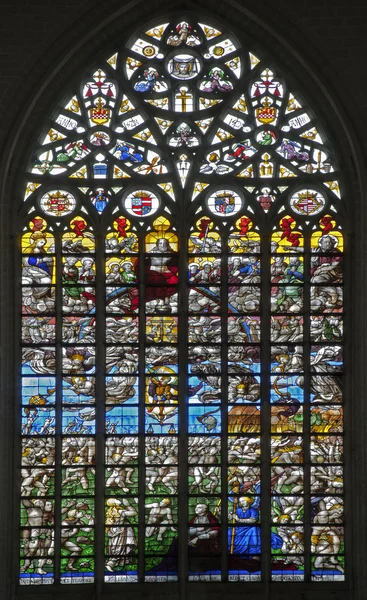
(37, 538)
(121, 536)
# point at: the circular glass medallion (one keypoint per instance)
(149, 51)
(58, 203)
(307, 202)
(183, 66)
(266, 137)
(218, 50)
(224, 203)
(141, 203)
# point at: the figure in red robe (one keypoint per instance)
(161, 275)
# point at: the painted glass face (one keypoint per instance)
(181, 211)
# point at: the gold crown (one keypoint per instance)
(142, 194)
(305, 195)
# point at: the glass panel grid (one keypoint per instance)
(215, 283)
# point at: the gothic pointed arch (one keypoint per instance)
(182, 322)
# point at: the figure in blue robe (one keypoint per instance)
(244, 536)
(146, 85)
(36, 261)
(128, 153)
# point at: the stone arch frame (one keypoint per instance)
(349, 153)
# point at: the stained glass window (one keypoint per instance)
(182, 324)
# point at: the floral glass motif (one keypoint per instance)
(146, 299)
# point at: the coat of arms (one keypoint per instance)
(141, 204)
(57, 203)
(266, 113)
(224, 203)
(307, 203)
(100, 114)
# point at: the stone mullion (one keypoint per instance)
(18, 410)
(265, 416)
(224, 406)
(183, 412)
(100, 414)
(349, 409)
(141, 414)
(58, 407)
(307, 410)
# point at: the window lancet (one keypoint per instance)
(182, 324)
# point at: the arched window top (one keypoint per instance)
(185, 104)
(182, 323)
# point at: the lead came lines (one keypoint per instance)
(182, 124)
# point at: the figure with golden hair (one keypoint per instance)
(244, 537)
(325, 543)
(121, 537)
(160, 517)
(37, 268)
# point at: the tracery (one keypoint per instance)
(182, 298)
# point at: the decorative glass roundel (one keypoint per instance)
(58, 203)
(224, 202)
(307, 202)
(184, 66)
(141, 203)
